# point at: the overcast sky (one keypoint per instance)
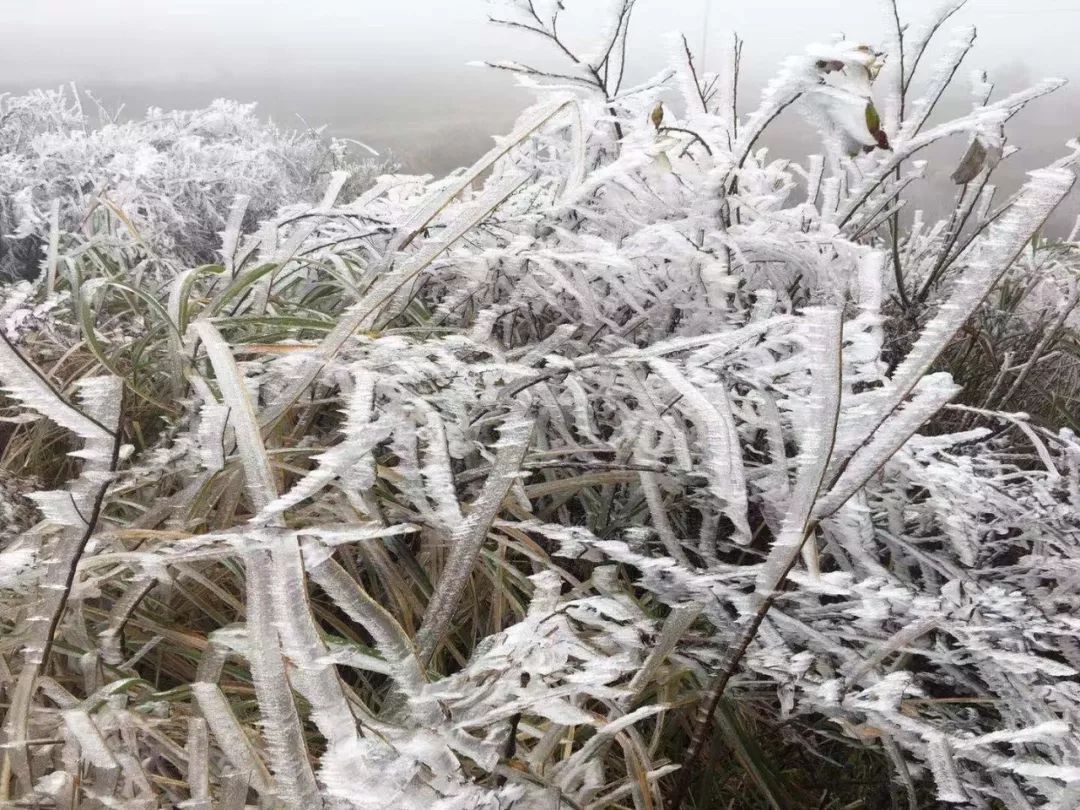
(88, 40)
(393, 72)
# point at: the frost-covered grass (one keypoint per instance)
(621, 469)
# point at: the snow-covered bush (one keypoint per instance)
(166, 180)
(462, 494)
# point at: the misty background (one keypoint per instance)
(394, 73)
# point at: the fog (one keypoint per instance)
(395, 74)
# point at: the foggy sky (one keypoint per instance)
(60, 40)
(393, 73)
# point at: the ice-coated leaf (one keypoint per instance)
(302, 644)
(469, 535)
(943, 767)
(28, 384)
(234, 394)
(721, 454)
(824, 335)
(230, 735)
(294, 778)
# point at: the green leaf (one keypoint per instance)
(873, 120)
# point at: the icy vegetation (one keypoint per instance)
(528, 486)
(167, 179)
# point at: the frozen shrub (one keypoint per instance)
(166, 180)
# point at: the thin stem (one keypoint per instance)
(691, 133)
(727, 671)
